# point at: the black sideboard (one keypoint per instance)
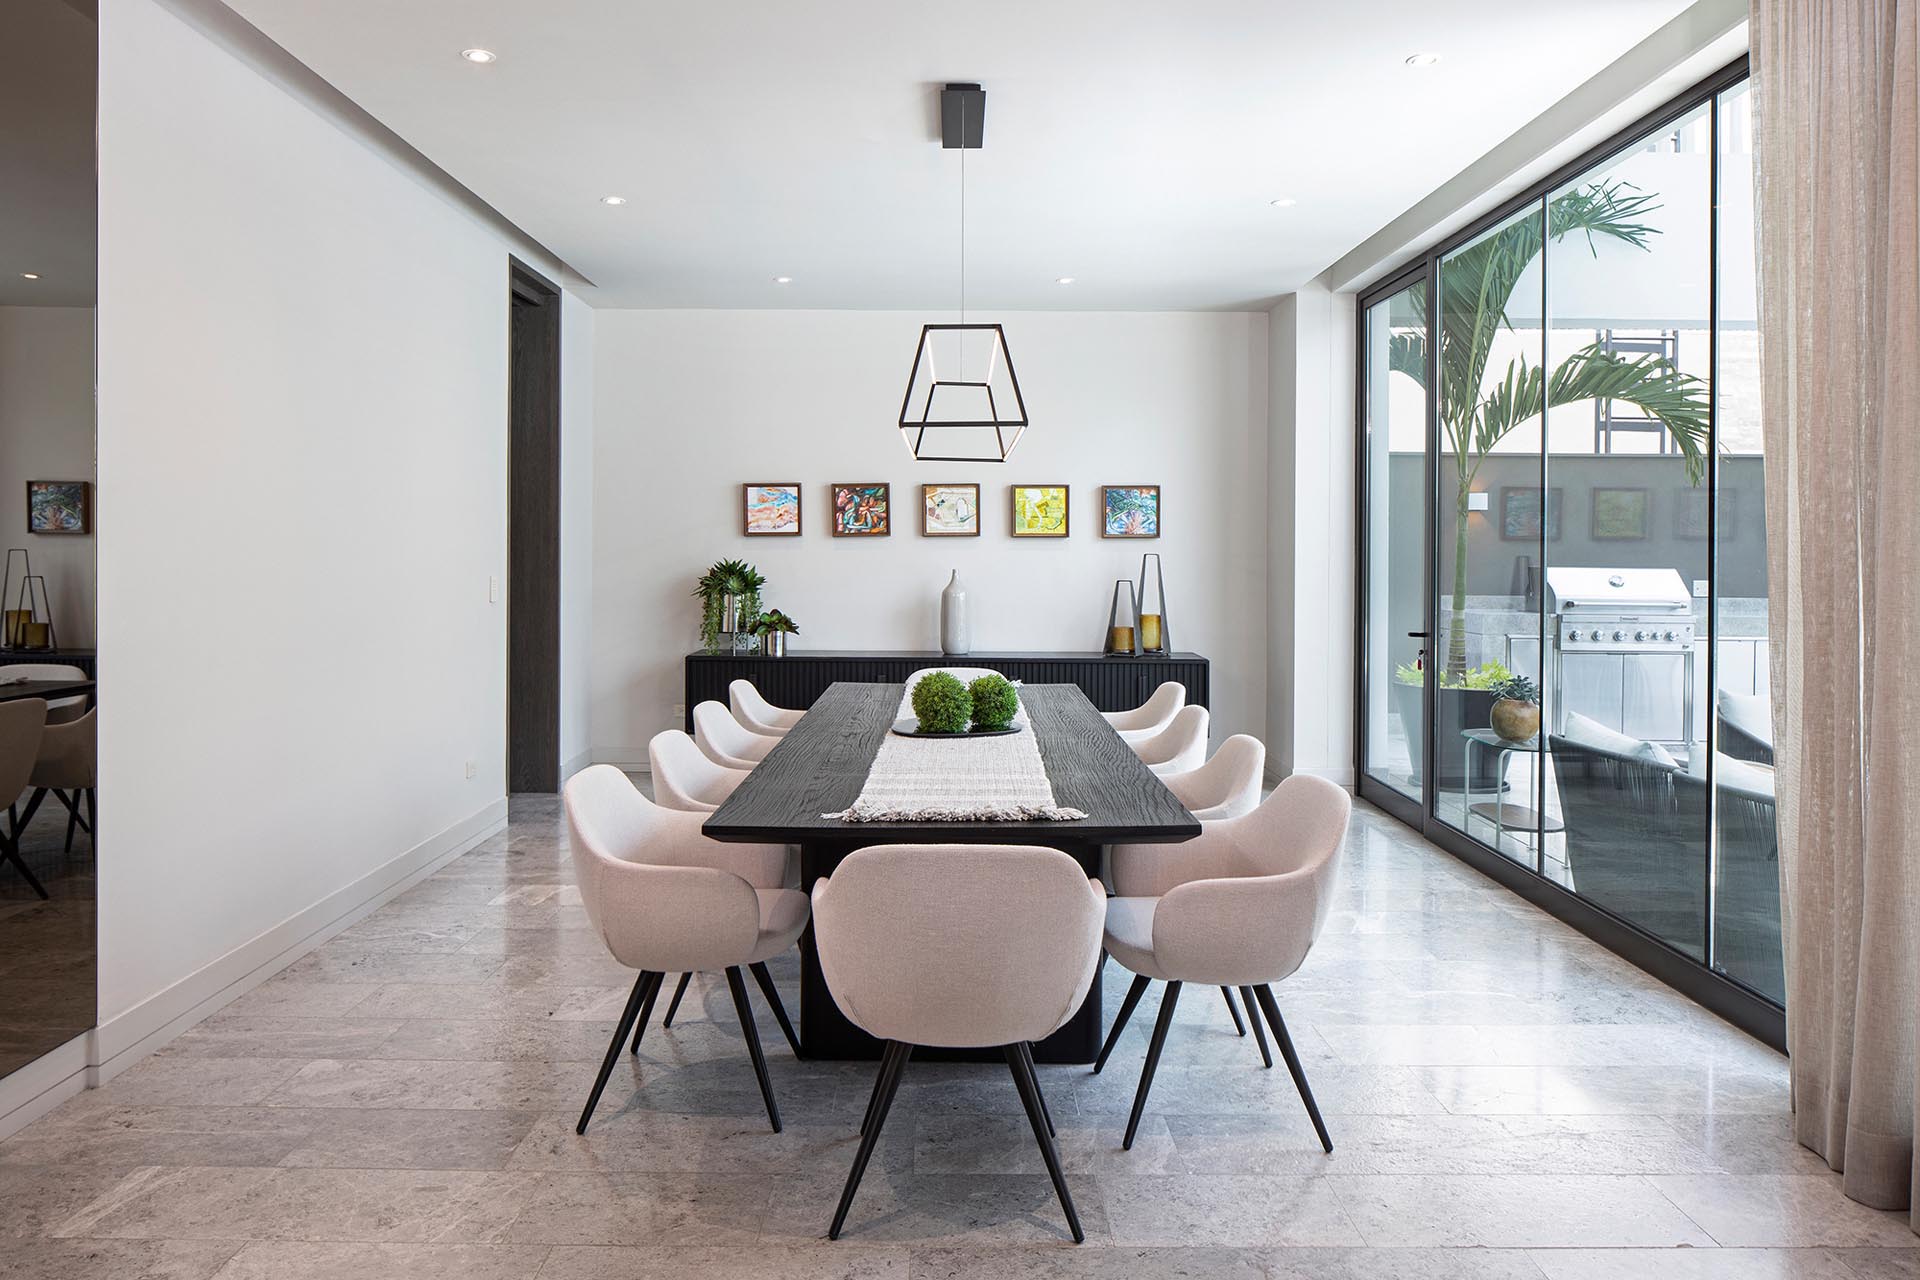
(1113, 684)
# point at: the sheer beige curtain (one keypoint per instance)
(1837, 185)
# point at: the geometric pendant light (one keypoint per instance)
(963, 399)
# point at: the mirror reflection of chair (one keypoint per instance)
(22, 723)
(726, 741)
(1181, 747)
(1240, 907)
(1151, 716)
(65, 770)
(756, 713)
(958, 946)
(59, 710)
(665, 899)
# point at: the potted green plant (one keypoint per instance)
(1459, 704)
(729, 595)
(1476, 287)
(773, 627)
(1515, 714)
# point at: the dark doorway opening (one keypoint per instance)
(533, 534)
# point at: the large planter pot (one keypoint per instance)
(1455, 710)
(1514, 720)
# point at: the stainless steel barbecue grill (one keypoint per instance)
(1623, 652)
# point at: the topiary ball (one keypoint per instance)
(994, 702)
(942, 704)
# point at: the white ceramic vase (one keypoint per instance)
(955, 636)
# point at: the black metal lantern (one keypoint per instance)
(963, 400)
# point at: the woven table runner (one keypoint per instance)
(959, 779)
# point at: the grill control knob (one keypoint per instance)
(1668, 636)
(1619, 636)
(1639, 635)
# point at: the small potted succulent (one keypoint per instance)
(942, 704)
(773, 627)
(1515, 714)
(994, 703)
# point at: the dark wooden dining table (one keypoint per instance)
(51, 690)
(821, 764)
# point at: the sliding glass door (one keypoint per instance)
(1561, 481)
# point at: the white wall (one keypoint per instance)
(303, 397)
(691, 404)
(46, 433)
(576, 534)
(1310, 618)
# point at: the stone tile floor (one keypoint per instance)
(1506, 1099)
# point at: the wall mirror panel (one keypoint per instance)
(48, 61)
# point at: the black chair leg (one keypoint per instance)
(1159, 1041)
(772, 993)
(1029, 1086)
(1233, 1007)
(1026, 1053)
(646, 1010)
(73, 818)
(1259, 1036)
(738, 985)
(893, 1066)
(641, 985)
(10, 852)
(33, 807)
(1134, 992)
(89, 819)
(1285, 1041)
(673, 1005)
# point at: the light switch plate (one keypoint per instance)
(1700, 588)
(493, 589)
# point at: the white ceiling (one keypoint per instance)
(47, 74)
(1131, 144)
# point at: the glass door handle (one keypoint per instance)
(1419, 635)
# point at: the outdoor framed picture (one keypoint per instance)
(1521, 517)
(1619, 515)
(58, 506)
(1039, 510)
(861, 511)
(1130, 511)
(770, 510)
(950, 510)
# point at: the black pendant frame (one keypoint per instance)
(917, 428)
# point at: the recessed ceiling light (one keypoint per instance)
(1423, 59)
(613, 199)
(29, 275)
(1284, 202)
(1064, 280)
(783, 279)
(482, 56)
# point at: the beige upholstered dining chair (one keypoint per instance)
(756, 713)
(958, 946)
(64, 768)
(684, 778)
(725, 740)
(664, 898)
(1181, 747)
(1240, 906)
(1151, 716)
(59, 710)
(22, 722)
(1227, 785)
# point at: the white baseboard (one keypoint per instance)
(127, 1037)
(43, 1084)
(626, 759)
(1338, 776)
(575, 765)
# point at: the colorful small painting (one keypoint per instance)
(1039, 510)
(57, 506)
(1619, 515)
(770, 509)
(1130, 511)
(861, 511)
(1520, 515)
(950, 510)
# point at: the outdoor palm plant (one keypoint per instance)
(1476, 287)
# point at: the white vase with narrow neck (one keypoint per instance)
(955, 636)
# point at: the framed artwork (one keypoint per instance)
(770, 510)
(1039, 510)
(1130, 511)
(1693, 522)
(861, 511)
(58, 506)
(950, 510)
(1619, 515)
(1521, 519)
